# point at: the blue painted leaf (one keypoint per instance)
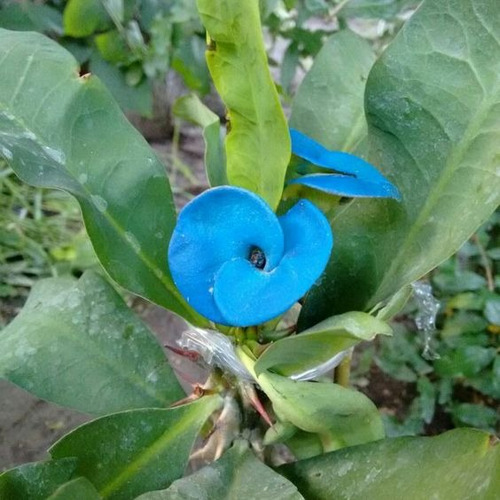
(212, 250)
(344, 185)
(363, 179)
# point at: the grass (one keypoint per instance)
(41, 235)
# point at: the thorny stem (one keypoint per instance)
(343, 371)
(486, 263)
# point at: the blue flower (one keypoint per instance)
(238, 264)
(362, 179)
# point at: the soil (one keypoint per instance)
(390, 396)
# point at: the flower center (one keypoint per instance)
(257, 257)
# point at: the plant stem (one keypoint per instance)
(338, 8)
(486, 263)
(343, 371)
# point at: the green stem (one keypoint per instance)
(343, 372)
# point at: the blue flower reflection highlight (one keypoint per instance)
(354, 176)
(238, 264)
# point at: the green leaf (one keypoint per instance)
(401, 356)
(80, 51)
(395, 304)
(452, 282)
(468, 301)
(112, 46)
(329, 103)
(342, 417)
(78, 344)
(385, 9)
(62, 131)
(258, 142)
(316, 6)
(137, 98)
(279, 432)
(189, 61)
(36, 481)
(456, 465)
(320, 343)
(466, 361)
(191, 108)
(463, 322)
(115, 9)
(488, 382)
(494, 253)
(427, 399)
(412, 425)
(492, 310)
(305, 445)
(291, 60)
(129, 453)
(79, 488)
(432, 104)
(237, 475)
(24, 16)
(84, 17)
(267, 7)
(156, 60)
(475, 415)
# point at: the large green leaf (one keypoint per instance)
(36, 481)
(64, 131)
(79, 345)
(237, 475)
(343, 417)
(328, 105)
(460, 464)
(129, 453)
(258, 142)
(339, 416)
(320, 343)
(79, 488)
(432, 104)
(191, 108)
(138, 98)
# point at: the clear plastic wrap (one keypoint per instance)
(218, 350)
(321, 369)
(425, 319)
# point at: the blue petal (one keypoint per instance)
(343, 185)
(219, 225)
(346, 163)
(247, 296)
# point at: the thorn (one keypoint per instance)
(251, 394)
(198, 392)
(191, 355)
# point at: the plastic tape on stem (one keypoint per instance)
(218, 350)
